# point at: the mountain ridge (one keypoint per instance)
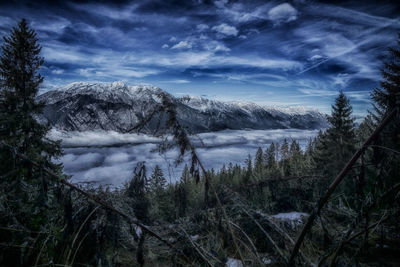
(116, 106)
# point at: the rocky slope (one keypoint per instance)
(92, 106)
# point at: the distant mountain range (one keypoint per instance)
(84, 106)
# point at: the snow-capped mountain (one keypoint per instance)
(84, 106)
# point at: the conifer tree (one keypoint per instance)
(223, 174)
(270, 159)
(384, 100)
(385, 97)
(19, 83)
(185, 174)
(309, 156)
(259, 163)
(137, 192)
(27, 192)
(157, 180)
(284, 150)
(182, 192)
(25, 188)
(340, 137)
(295, 160)
(249, 170)
(336, 146)
(160, 204)
(285, 157)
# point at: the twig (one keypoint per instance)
(195, 246)
(251, 243)
(15, 246)
(387, 148)
(348, 239)
(266, 234)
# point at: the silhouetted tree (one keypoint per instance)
(336, 146)
(25, 189)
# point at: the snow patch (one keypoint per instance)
(266, 260)
(230, 262)
(294, 218)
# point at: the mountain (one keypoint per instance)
(84, 106)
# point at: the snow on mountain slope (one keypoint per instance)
(116, 106)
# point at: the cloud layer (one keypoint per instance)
(109, 157)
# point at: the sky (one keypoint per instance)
(285, 53)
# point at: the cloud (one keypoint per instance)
(215, 46)
(341, 79)
(57, 71)
(352, 15)
(226, 30)
(50, 24)
(165, 46)
(118, 72)
(125, 12)
(317, 92)
(118, 157)
(315, 57)
(182, 45)
(202, 27)
(282, 13)
(179, 81)
(99, 138)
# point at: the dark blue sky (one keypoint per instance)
(269, 52)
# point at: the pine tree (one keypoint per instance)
(385, 97)
(284, 150)
(19, 82)
(182, 192)
(157, 181)
(259, 163)
(19, 85)
(249, 170)
(160, 204)
(185, 174)
(340, 137)
(29, 194)
(336, 145)
(384, 100)
(269, 154)
(137, 192)
(295, 159)
(284, 158)
(309, 163)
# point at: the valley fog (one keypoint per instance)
(109, 158)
